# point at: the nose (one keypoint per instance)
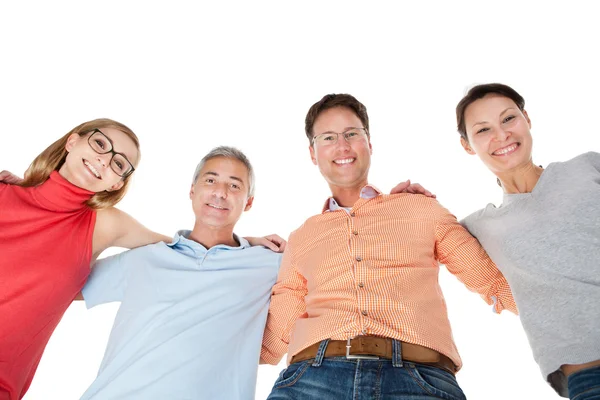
(104, 159)
(220, 190)
(502, 135)
(343, 142)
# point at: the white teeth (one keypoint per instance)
(217, 207)
(91, 168)
(344, 161)
(506, 150)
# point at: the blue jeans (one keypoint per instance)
(585, 384)
(339, 378)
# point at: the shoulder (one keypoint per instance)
(313, 223)
(263, 256)
(111, 214)
(586, 157)
(107, 219)
(416, 204)
(475, 219)
(7, 188)
(591, 157)
(149, 253)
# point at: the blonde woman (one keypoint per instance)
(52, 225)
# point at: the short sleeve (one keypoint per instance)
(107, 281)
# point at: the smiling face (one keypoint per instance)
(220, 194)
(89, 170)
(343, 164)
(498, 133)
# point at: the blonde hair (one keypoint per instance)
(54, 157)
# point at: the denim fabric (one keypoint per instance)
(340, 378)
(585, 384)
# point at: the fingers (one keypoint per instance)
(272, 242)
(278, 240)
(416, 188)
(9, 177)
(401, 187)
(270, 245)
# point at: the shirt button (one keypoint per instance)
(353, 214)
(361, 285)
(365, 331)
(358, 259)
(364, 312)
(355, 232)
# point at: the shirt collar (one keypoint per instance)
(180, 239)
(367, 192)
(59, 194)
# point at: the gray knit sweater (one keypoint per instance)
(547, 245)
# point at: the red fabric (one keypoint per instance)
(45, 252)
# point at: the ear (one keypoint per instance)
(249, 203)
(527, 118)
(370, 147)
(466, 146)
(313, 156)
(116, 186)
(192, 191)
(72, 141)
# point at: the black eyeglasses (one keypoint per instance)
(101, 144)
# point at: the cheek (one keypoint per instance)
(479, 143)
(320, 156)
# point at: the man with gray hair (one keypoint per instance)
(192, 311)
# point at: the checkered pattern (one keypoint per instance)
(373, 270)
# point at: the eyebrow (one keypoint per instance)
(112, 144)
(502, 113)
(212, 173)
(345, 130)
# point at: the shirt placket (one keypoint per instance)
(357, 252)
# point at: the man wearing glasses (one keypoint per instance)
(357, 305)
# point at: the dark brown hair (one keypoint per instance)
(479, 92)
(335, 100)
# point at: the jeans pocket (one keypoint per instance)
(291, 374)
(436, 382)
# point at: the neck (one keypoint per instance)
(520, 180)
(209, 236)
(347, 196)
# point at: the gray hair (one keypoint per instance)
(228, 152)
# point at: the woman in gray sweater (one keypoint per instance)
(544, 237)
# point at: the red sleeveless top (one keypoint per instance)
(45, 252)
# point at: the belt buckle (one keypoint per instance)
(357, 356)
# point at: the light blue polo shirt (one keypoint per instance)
(191, 320)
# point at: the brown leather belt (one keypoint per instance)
(378, 347)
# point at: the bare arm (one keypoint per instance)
(117, 228)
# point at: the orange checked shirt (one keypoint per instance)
(373, 270)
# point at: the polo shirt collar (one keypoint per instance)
(181, 240)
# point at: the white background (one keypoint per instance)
(188, 76)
